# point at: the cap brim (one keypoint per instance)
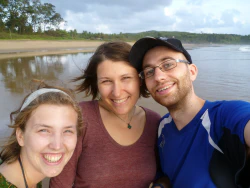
(140, 48)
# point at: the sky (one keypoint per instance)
(132, 16)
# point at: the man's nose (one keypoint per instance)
(159, 74)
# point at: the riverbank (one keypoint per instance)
(25, 48)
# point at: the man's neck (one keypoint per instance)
(185, 111)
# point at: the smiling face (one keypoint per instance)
(49, 139)
(119, 86)
(173, 86)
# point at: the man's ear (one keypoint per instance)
(193, 71)
(19, 136)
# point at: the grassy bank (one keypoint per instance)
(14, 36)
(63, 35)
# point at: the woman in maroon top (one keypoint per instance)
(117, 148)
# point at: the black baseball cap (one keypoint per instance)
(140, 48)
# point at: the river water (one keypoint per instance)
(224, 74)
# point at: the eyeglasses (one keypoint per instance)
(168, 64)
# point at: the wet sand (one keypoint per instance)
(25, 48)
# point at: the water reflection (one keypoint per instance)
(16, 75)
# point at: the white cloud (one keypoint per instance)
(102, 28)
(112, 16)
(168, 12)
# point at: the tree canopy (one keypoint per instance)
(28, 16)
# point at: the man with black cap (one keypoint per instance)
(201, 143)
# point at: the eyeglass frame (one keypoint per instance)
(176, 60)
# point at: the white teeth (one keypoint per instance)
(164, 88)
(120, 101)
(52, 158)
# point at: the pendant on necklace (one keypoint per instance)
(129, 126)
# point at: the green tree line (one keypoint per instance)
(185, 37)
(198, 38)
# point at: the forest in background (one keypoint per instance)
(31, 19)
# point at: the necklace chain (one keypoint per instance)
(129, 125)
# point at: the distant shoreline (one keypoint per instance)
(25, 48)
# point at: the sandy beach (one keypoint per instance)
(25, 48)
